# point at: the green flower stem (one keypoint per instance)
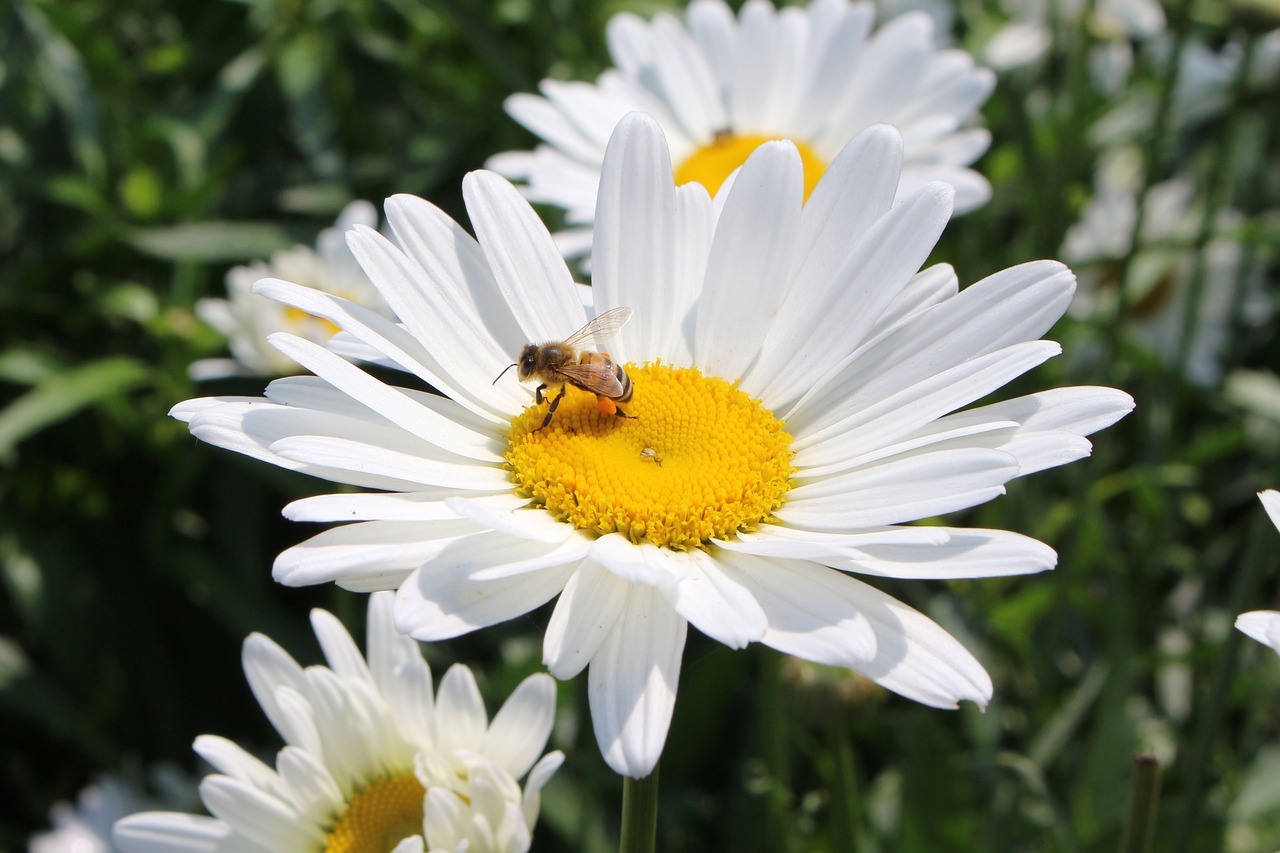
(776, 749)
(639, 814)
(1144, 799)
(846, 811)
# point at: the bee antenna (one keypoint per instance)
(504, 371)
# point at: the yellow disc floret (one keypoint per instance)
(697, 459)
(380, 816)
(711, 164)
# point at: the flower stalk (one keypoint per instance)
(639, 814)
(1144, 800)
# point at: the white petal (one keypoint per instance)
(913, 487)
(424, 505)
(461, 297)
(815, 331)
(444, 819)
(584, 616)
(774, 540)
(312, 789)
(685, 81)
(520, 729)
(1011, 306)
(412, 844)
(1051, 424)
(543, 118)
(1080, 409)
(387, 401)
(830, 618)
(170, 832)
(644, 563)
(363, 459)
(531, 275)
(539, 776)
(460, 718)
(967, 553)
(340, 651)
(251, 427)
(1271, 503)
(929, 287)
(856, 190)
(915, 406)
(495, 556)
(267, 668)
(887, 70)
(1261, 625)
(535, 524)
(231, 759)
(367, 555)
(267, 820)
(713, 601)
(420, 348)
(437, 605)
(749, 261)
(635, 239)
(713, 27)
(632, 683)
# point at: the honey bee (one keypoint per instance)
(567, 362)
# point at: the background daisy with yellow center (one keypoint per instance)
(246, 319)
(796, 380)
(373, 762)
(720, 85)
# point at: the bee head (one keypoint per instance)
(527, 365)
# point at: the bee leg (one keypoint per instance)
(537, 393)
(551, 410)
(623, 414)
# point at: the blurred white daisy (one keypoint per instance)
(1205, 79)
(85, 826)
(245, 318)
(373, 760)
(721, 85)
(794, 382)
(1110, 26)
(1264, 625)
(1162, 268)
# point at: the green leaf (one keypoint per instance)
(60, 395)
(210, 241)
(62, 71)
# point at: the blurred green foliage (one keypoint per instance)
(147, 145)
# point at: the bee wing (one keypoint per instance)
(600, 329)
(596, 377)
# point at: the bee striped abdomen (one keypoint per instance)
(624, 380)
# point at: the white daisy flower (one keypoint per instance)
(1161, 274)
(721, 85)
(85, 826)
(1264, 625)
(795, 381)
(373, 760)
(246, 319)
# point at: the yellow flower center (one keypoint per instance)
(697, 459)
(379, 817)
(711, 164)
(296, 318)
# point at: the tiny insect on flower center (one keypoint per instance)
(712, 163)
(379, 816)
(696, 460)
